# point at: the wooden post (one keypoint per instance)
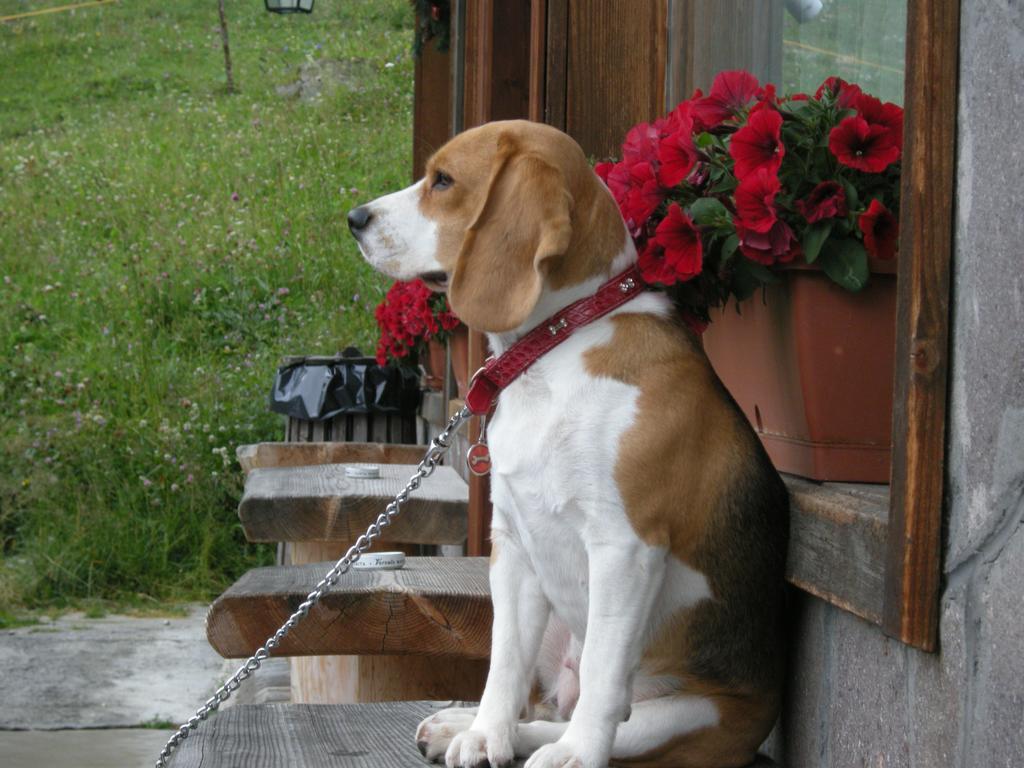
(432, 99)
(333, 679)
(227, 48)
(912, 575)
(496, 63)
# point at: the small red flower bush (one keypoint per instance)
(408, 317)
(729, 185)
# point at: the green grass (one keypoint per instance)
(20, 619)
(162, 245)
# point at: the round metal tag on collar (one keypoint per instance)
(478, 459)
(380, 561)
(362, 471)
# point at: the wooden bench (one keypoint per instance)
(435, 606)
(320, 503)
(315, 736)
(298, 493)
(258, 455)
(383, 635)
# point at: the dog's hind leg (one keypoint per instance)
(624, 578)
(681, 731)
(436, 732)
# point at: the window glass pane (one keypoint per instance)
(861, 41)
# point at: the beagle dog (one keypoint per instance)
(639, 529)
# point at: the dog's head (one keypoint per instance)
(504, 212)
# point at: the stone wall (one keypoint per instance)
(858, 698)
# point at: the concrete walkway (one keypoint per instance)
(115, 748)
(112, 674)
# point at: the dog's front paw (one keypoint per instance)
(479, 746)
(436, 732)
(565, 754)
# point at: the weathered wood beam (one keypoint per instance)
(837, 543)
(435, 606)
(260, 455)
(321, 503)
(339, 736)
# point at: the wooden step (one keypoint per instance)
(321, 503)
(435, 606)
(259, 455)
(316, 736)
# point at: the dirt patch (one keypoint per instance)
(322, 77)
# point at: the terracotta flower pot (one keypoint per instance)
(433, 365)
(811, 366)
(460, 358)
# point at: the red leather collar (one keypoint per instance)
(498, 372)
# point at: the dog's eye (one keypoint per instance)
(441, 180)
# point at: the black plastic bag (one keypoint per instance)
(319, 388)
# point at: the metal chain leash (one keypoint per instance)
(435, 452)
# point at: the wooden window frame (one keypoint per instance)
(914, 546)
(871, 550)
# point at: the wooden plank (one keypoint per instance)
(435, 606)
(556, 63)
(510, 61)
(478, 44)
(616, 70)
(922, 322)
(353, 679)
(350, 679)
(311, 736)
(478, 530)
(432, 105)
(837, 543)
(320, 503)
(538, 54)
(259, 455)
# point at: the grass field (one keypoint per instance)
(162, 245)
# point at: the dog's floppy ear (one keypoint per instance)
(522, 222)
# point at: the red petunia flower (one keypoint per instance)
(653, 266)
(619, 181)
(846, 94)
(826, 201)
(680, 117)
(777, 244)
(881, 230)
(767, 95)
(641, 144)
(410, 315)
(684, 250)
(755, 200)
(699, 126)
(644, 196)
(656, 267)
(758, 144)
(730, 93)
(876, 113)
(869, 148)
(677, 153)
(602, 170)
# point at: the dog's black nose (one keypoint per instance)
(358, 218)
